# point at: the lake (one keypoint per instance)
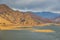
(29, 35)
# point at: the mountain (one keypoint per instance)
(49, 15)
(57, 19)
(20, 18)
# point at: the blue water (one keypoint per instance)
(29, 35)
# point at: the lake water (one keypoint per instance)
(29, 35)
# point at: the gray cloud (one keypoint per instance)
(37, 5)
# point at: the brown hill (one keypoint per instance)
(20, 18)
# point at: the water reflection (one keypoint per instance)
(27, 34)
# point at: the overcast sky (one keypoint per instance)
(34, 5)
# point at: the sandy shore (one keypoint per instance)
(47, 30)
(25, 28)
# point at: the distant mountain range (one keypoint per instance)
(26, 18)
(54, 17)
(49, 15)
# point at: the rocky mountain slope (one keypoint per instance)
(20, 18)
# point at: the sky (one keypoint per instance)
(33, 5)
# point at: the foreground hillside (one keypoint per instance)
(17, 17)
(11, 19)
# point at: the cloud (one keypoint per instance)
(34, 5)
